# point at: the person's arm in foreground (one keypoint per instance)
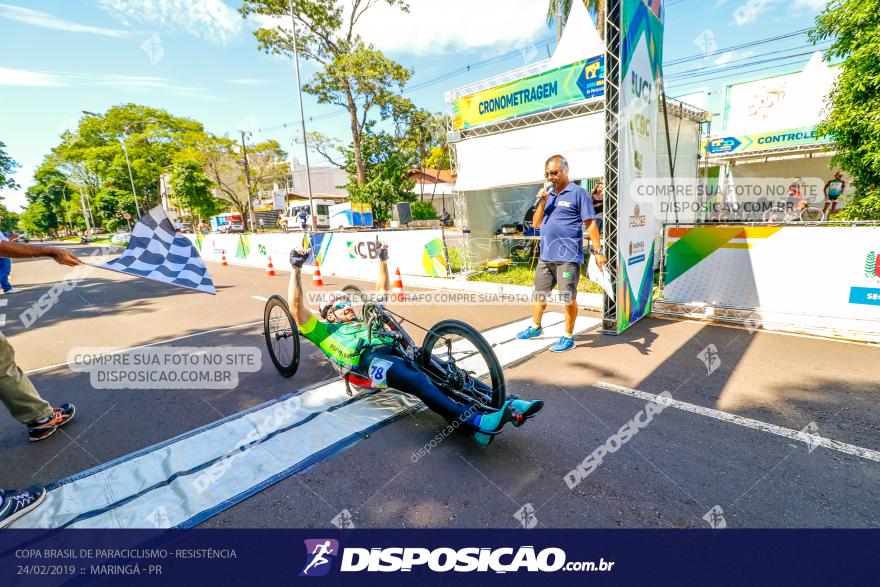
(383, 282)
(295, 297)
(22, 251)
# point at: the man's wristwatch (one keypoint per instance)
(599, 251)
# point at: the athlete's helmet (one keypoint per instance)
(336, 301)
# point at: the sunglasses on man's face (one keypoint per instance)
(552, 173)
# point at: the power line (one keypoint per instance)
(754, 43)
(724, 68)
(753, 56)
(430, 82)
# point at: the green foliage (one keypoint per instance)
(221, 160)
(49, 190)
(152, 138)
(385, 167)
(853, 27)
(424, 211)
(7, 168)
(33, 219)
(866, 207)
(438, 158)
(10, 220)
(110, 203)
(353, 75)
(191, 189)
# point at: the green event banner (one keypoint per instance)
(777, 139)
(541, 92)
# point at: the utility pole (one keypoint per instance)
(302, 118)
(247, 179)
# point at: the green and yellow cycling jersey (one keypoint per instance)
(339, 341)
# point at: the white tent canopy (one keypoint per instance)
(518, 157)
(580, 39)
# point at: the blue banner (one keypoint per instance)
(408, 557)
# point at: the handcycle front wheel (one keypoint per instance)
(472, 360)
(282, 336)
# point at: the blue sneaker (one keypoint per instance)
(563, 344)
(529, 332)
(15, 504)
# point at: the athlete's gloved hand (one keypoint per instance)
(383, 252)
(298, 258)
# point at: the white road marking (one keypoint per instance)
(143, 346)
(261, 298)
(813, 439)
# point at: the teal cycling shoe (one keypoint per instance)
(492, 423)
(523, 410)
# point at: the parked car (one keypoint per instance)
(290, 219)
(185, 227)
(227, 222)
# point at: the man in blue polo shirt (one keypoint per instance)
(561, 214)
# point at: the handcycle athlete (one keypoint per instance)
(375, 359)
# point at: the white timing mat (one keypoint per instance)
(186, 480)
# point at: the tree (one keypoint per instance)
(853, 120)
(221, 160)
(558, 10)
(386, 164)
(33, 219)
(50, 188)
(353, 75)
(151, 136)
(7, 168)
(191, 188)
(10, 220)
(110, 203)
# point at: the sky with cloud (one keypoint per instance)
(198, 58)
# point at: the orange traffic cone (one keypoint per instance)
(317, 280)
(270, 270)
(223, 261)
(398, 286)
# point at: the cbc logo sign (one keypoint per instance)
(364, 250)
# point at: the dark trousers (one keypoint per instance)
(5, 269)
(405, 377)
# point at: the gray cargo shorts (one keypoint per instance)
(565, 275)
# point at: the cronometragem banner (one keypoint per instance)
(544, 91)
(641, 58)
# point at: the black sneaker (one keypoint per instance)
(17, 503)
(46, 427)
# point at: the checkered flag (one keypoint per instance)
(155, 251)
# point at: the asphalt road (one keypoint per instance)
(671, 473)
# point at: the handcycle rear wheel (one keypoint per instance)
(466, 342)
(282, 336)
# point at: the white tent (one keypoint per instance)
(516, 157)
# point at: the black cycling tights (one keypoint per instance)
(406, 378)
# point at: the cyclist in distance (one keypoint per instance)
(343, 337)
